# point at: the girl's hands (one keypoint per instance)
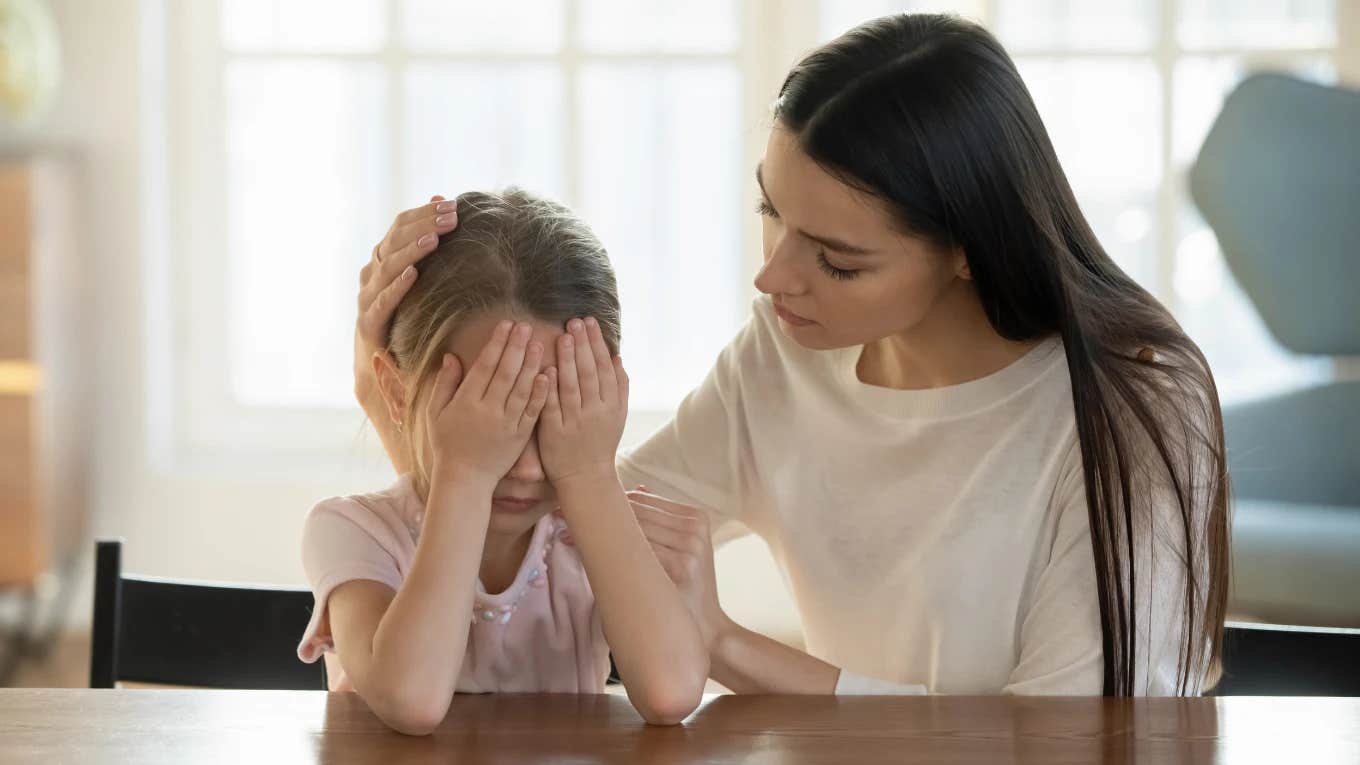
(384, 281)
(479, 423)
(679, 536)
(587, 406)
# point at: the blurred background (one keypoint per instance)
(190, 188)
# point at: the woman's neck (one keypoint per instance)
(502, 556)
(953, 344)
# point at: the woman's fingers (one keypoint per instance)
(604, 364)
(523, 388)
(585, 362)
(666, 507)
(373, 319)
(666, 536)
(510, 364)
(568, 385)
(445, 385)
(484, 368)
(412, 241)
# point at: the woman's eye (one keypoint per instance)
(830, 270)
(763, 208)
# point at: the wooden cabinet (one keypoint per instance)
(44, 406)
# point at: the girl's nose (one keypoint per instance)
(528, 467)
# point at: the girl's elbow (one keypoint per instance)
(669, 703)
(409, 714)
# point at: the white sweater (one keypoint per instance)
(934, 541)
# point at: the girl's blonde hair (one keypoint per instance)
(514, 251)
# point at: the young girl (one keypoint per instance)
(455, 578)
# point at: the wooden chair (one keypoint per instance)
(1275, 660)
(154, 630)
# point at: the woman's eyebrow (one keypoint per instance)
(828, 242)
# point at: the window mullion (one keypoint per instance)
(1168, 193)
(571, 63)
(394, 67)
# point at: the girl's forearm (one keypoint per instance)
(416, 648)
(748, 662)
(656, 644)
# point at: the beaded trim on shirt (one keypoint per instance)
(537, 579)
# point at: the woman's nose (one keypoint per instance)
(779, 275)
(528, 467)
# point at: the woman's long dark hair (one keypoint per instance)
(928, 113)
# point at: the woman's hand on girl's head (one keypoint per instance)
(480, 419)
(679, 536)
(384, 281)
(582, 422)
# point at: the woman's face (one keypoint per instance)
(839, 272)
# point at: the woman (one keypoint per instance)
(985, 459)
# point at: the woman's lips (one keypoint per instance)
(791, 317)
(514, 504)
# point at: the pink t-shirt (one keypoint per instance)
(542, 634)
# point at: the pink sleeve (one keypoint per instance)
(344, 540)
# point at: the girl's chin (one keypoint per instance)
(517, 522)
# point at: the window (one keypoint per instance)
(291, 143)
(297, 141)
(1128, 96)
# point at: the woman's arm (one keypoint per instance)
(383, 282)
(742, 660)
(656, 645)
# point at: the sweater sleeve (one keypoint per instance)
(1060, 635)
(695, 458)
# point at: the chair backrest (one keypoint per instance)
(1277, 179)
(1276, 660)
(156, 630)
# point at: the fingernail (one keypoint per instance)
(506, 325)
(428, 240)
(446, 207)
(575, 325)
(445, 220)
(409, 272)
(590, 321)
(447, 359)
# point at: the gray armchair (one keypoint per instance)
(1278, 179)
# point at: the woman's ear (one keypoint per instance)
(961, 268)
(391, 386)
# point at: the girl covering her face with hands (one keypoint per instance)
(455, 578)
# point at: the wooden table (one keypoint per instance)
(259, 727)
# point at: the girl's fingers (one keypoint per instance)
(568, 386)
(374, 318)
(538, 399)
(585, 362)
(480, 374)
(445, 385)
(524, 384)
(552, 405)
(604, 365)
(621, 380)
(412, 241)
(509, 366)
